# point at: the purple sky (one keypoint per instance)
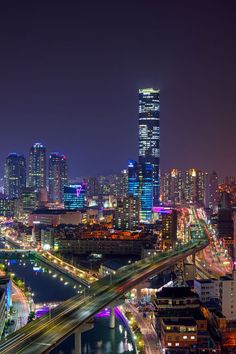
(70, 72)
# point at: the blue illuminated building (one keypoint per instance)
(146, 191)
(74, 196)
(133, 178)
(140, 184)
(149, 135)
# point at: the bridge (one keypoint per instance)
(17, 250)
(44, 334)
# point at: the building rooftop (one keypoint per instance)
(181, 313)
(176, 293)
(179, 322)
(53, 211)
(205, 281)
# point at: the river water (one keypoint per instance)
(48, 285)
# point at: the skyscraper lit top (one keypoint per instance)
(149, 135)
(37, 166)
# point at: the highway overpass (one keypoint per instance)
(43, 335)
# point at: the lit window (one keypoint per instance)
(177, 344)
(168, 328)
(169, 344)
(192, 337)
(185, 337)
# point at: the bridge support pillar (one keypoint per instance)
(112, 323)
(77, 335)
(78, 349)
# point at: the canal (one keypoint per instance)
(48, 285)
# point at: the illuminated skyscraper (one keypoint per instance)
(172, 187)
(37, 166)
(212, 191)
(149, 135)
(14, 175)
(58, 177)
(146, 191)
(133, 179)
(194, 186)
(140, 184)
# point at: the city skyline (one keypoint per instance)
(118, 204)
(48, 82)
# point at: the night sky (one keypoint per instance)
(70, 73)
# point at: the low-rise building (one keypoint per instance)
(179, 333)
(180, 322)
(207, 289)
(55, 217)
(227, 296)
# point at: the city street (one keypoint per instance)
(21, 308)
(148, 332)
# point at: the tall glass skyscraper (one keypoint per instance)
(140, 184)
(58, 177)
(14, 175)
(37, 166)
(146, 191)
(149, 135)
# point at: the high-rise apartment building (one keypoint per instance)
(140, 184)
(149, 135)
(37, 166)
(14, 175)
(194, 186)
(133, 178)
(29, 199)
(172, 187)
(58, 177)
(127, 213)
(212, 195)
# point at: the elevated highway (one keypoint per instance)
(43, 335)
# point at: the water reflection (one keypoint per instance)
(101, 340)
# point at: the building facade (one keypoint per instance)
(127, 213)
(146, 191)
(37, 166)
(149, 135)
(14, 175)
(172, 187)
(74, 196)
(58, 177)
(194, 186)
(212, 195)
